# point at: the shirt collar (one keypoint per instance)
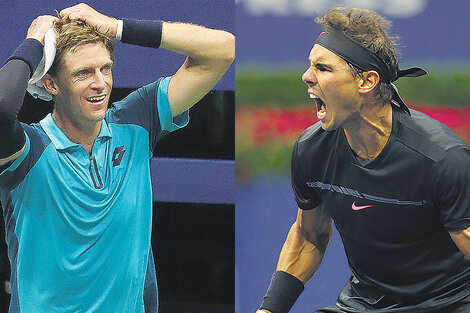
(60, 140)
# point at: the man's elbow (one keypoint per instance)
(320, 237)
(230, 42)
(226, 53)
(462, 241)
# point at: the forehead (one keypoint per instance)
(320, 54)
(87, 55)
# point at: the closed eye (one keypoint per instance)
(321, 67)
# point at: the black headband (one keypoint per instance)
(366, 60)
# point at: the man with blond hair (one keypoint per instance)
(395, 182)
(75, 187)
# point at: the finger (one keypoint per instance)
(39, 27)
(48, 18)
(64, 12)
(67, 11)
(78, 15)
(42, 21)
(80, 8)
(45, 21)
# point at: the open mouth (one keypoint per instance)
(96, 99)
(321, 107)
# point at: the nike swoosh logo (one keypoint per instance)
(360, 207)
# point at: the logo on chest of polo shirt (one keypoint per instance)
(118, 154)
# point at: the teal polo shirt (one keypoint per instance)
(78, 224)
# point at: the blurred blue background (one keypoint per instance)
(282, 32)
(135, 66)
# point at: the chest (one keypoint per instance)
(391, 200)
(117, 171)
(109, 165)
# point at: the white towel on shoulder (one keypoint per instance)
(35, 87)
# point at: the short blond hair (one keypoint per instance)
(71, 34)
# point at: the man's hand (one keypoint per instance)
(39, 27)
(105, 24)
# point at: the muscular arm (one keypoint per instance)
(306, 244)
(462, 241)
(209, 54)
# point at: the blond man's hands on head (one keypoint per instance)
(39, 27)
(83, 12)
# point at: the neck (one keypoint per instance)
(84, 135)
(368, 135)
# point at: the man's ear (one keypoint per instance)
(369, 80)
(50, 84)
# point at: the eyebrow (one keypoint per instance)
(322, 65)
(90, 68)
(81, 69)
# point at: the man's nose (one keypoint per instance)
(309, 77)
(99, 81)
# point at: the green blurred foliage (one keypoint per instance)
(273, 158)
(286, 88)
(450, 88)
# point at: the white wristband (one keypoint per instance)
(119, 30)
